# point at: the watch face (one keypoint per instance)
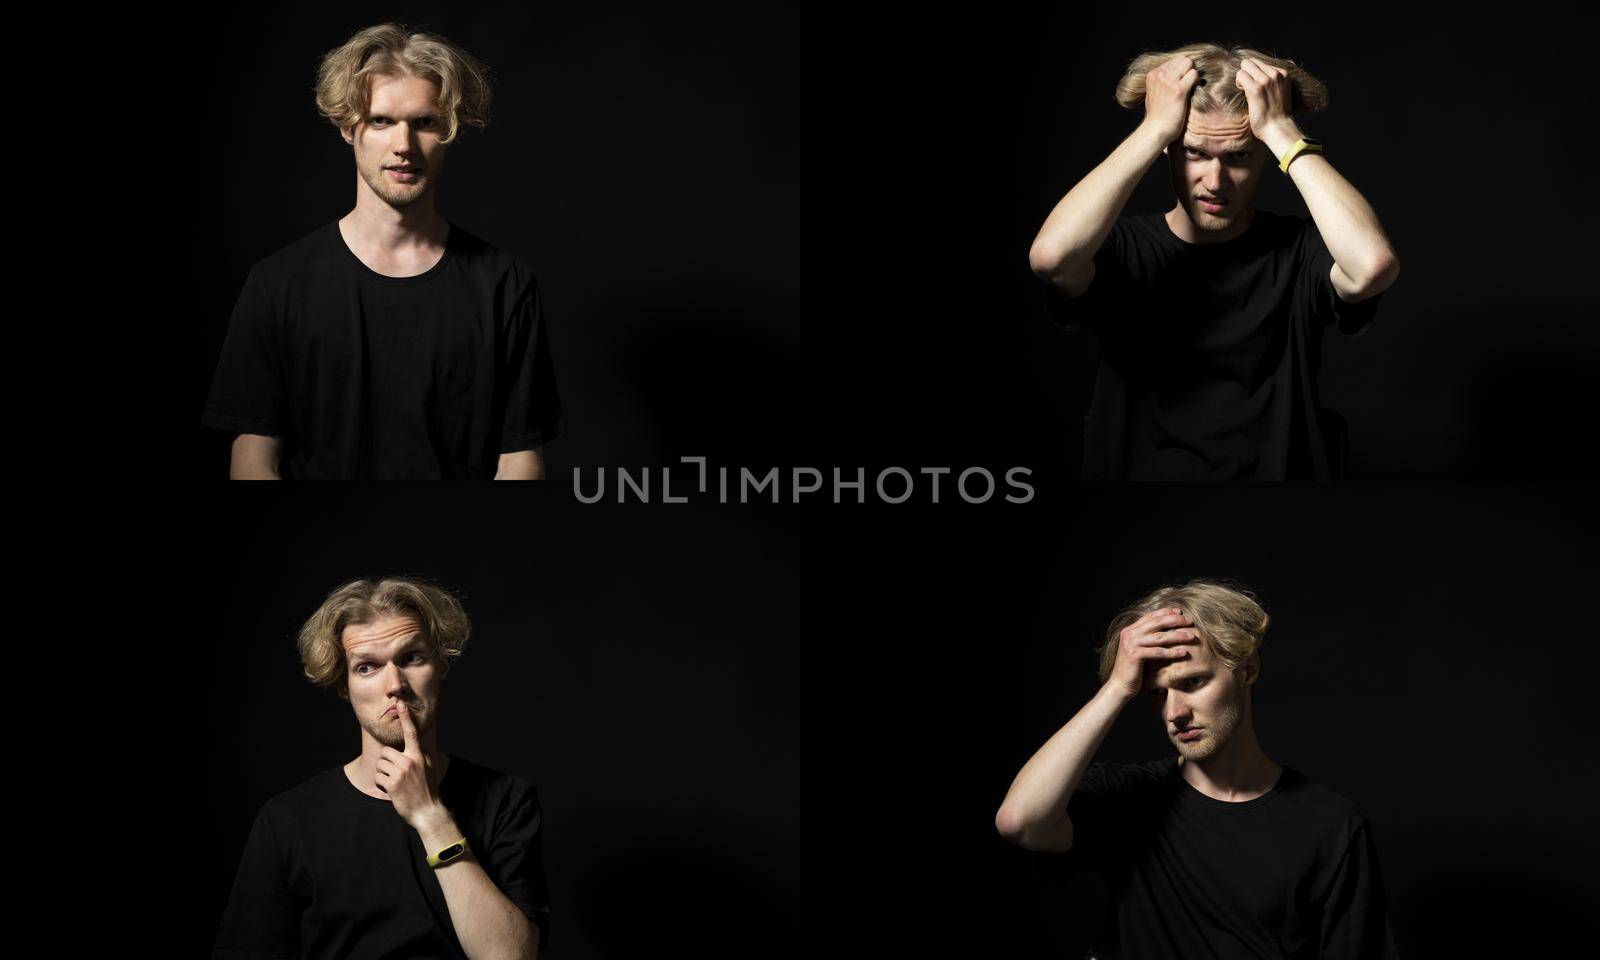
(450, 852)
(1312, 140)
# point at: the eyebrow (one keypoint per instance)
(412, 643)
(1236, 148)
(1191, 676)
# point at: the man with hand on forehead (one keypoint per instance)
(405, 850)
(1218, 851)
(1209, 317)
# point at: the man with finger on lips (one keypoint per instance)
(405, 850)
(1218, 851)
(1209, 317)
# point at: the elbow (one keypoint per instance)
(1012, 825)
(1384, 273)
(1044, 260)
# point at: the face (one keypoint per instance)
(1216, 157)
(403, 127)
(389, 660)
(1198, 693)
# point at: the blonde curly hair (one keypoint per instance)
(390, 49)
(321, 640)
(1215, 91)
(1232, 624)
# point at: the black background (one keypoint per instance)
(641, 668)
(935, 146)
(644, 161)
(648, 164)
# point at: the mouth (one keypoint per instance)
(392, 712)
(404, 174)
(1212, 204)
(1189, 734)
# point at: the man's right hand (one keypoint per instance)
(1160, 636)
(1166, 97)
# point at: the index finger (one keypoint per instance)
(407, 728)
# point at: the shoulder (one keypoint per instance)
(306, 797)
(498, 788)
(1333, 814)
(1105, 776)
(487, 259)
(289, 260)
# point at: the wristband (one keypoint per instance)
(452, 852)
(1303, 145)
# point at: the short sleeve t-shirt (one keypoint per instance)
(372, 377)
(1209, 353)
(330, 872)
(1293, 873)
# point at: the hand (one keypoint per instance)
(1269, 94)
(1166, 97)
(1158, 637)
(407, 777)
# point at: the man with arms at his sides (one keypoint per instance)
(1218, 851)
(403, 851)
(1210, 317)
(391, 343)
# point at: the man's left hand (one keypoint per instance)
(1269, 94)
(408, 778)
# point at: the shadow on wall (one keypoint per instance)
(1526, 408)
(722, 386)
(657, 899)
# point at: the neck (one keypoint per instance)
(1184, 229)
(377, 223)
(1239, 771)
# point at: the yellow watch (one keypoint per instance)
(452, 852)
(1303, 145)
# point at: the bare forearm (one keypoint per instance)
(1080, 222)
(255, 457)
(1034, 814)
(1348, 224)
(488, 924)
(522, 465)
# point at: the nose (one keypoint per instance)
(393, 683)
(1177, 713)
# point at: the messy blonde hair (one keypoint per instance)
(1215, 91)
(1232, 624)
(391, 50)
(321, 641)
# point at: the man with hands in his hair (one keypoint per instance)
(1218, 851)
(1209, 317)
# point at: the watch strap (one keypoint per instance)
(1303, 145)
(453, 852)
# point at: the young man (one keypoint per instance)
(403, 851)
(1210, 317)
(1219, 851)
(390, 344)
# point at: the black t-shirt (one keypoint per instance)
(1209, 353)
(1293, 873)
(374, 377)
(330, 872)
